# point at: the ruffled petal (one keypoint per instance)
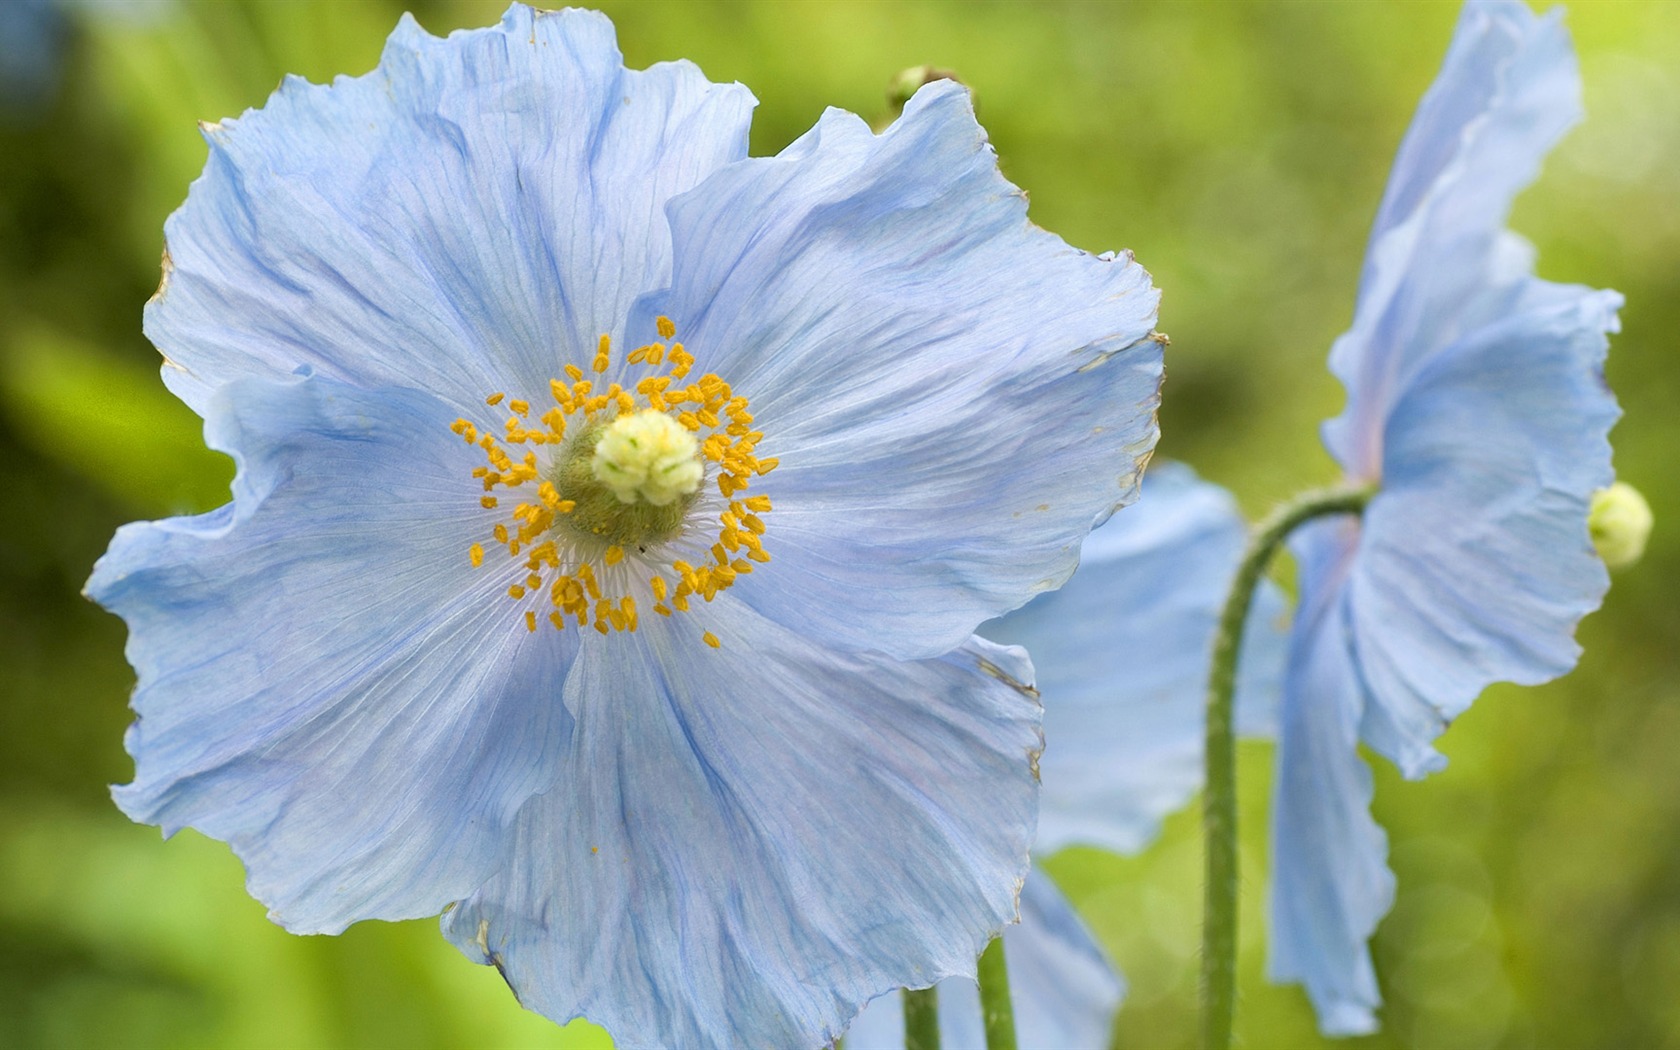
(1330, 878)
(323, 682)
(1440, 264)
(1061, 984)
(1122, 654)
(1475, 562)
(468, 217)
(954, 395)
(750, 842)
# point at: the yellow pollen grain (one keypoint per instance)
(487, 502)
(708, 407)
(711, 639)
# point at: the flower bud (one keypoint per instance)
(1620, 523)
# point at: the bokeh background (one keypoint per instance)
(1239, 149)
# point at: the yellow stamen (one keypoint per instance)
(566, 558)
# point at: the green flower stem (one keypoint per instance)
(921, 1019)
(995, 1006)
(1219, 798)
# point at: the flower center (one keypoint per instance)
(612, 497)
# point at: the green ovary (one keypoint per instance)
(633, 480)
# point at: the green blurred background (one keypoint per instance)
(1239, 149)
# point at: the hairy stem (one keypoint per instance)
(1219, 797)
(996, 1009)
(921, 1019)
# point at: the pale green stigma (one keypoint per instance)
(648, 457)
(1620, 523)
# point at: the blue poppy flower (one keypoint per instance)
(613, 513)
(1122, 654)
(1477, 410)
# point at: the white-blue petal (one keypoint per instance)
(1061, 985)
(324, 683)
(1440, 263)
(748, 843)
(467, 218)
(1330, 877)
(954, 395)
(1475, 564)
(1122, 654)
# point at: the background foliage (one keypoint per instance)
(1240, 149)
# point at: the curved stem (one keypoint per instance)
(921, 1018)
(996, 1009)
(1219, 797)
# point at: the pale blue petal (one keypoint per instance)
(1330, 877)
(467, 218)
(1440, 264)
(954, 395)
(748, 843)
(1061, 984)
(324, 683)
(1122, 654)
(1475, 563)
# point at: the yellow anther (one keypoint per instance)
(711, 639)
(765, 466)
(494, 399)
(632, 434)
(487, 502)
(666, 328)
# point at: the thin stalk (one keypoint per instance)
(996, 1008)
(1219, 797)
(921, 1019)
